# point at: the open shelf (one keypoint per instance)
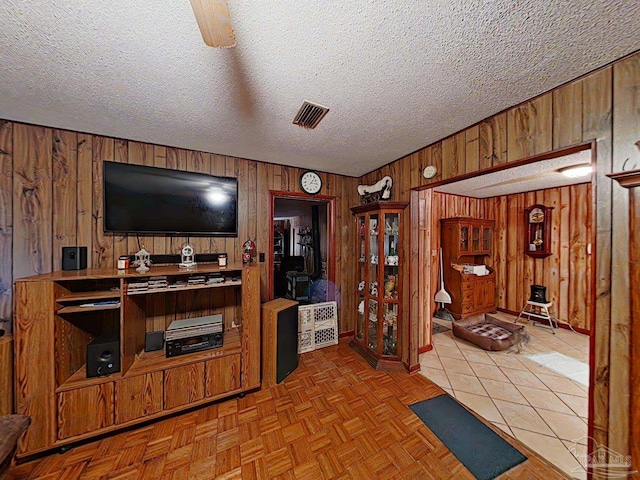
(94, 308)
(230, 283)
(147, 362)
(89, 296)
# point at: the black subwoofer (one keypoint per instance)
(103, 355)
(538, 294)
(74, 258)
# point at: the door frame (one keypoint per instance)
(420, 212)
(331, 230)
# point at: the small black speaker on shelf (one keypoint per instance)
(538, 294)
(103, 355)
(74, 258)
(153, 341)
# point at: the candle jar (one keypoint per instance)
(123, 262)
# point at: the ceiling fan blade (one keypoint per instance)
(214, 21)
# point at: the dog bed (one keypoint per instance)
(490, 333)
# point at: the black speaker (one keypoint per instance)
(153, 341)
(287, 342)
(103, 355)
(74, 258)
(538, 294)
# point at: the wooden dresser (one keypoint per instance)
(466, 242)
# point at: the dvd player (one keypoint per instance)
(194, 335)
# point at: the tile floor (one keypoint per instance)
(543, 409)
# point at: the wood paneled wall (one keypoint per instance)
(51, 196)
(566, 273)
(601, 107)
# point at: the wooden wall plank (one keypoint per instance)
(122, 243)
(102, 255)
(492, 141)
(425, 268)
(416, 161)
(65, 168)
(578, 254)
(472, 152)
(513, 247)
(32, 207)
(567, 115)
(551, 274)
(6, 225)
(453, 155)
(500, 255)
(597, 125)
(263, 210)
(565, 254)
(626, 153)
(634, 374)
(529, 128)
(84, 192)
(436, 161)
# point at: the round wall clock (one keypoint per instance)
(310, 182)
(429, 171)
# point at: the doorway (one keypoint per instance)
(507, 388)
(302, 247)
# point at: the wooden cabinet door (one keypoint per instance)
(486, 239)
(183, 385)
(138, 397)
(222, 375)
(479, 294)
(490, 293)
(464, 238)
(85, 409)
(476, 240)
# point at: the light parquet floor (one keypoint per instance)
(333, 418)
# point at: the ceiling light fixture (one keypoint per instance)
(575, 171)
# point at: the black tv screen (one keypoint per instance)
(141, 199)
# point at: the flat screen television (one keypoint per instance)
(141, 199)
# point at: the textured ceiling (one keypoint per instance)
(524, 178)
(397, 75)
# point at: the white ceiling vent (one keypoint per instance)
(310, 114)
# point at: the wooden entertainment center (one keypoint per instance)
(58, 314)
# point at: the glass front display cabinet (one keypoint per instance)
(379, 263)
